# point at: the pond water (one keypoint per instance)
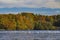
(29, 35)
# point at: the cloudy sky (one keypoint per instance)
(35, 6)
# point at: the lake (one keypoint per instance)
(30, 35)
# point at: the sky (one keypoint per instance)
(35, 6)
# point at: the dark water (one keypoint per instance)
(29, 35)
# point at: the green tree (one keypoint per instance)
(3, 27)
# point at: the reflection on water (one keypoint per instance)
(29, 35)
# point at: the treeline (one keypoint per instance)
(29, 21)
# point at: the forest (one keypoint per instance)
(29, 21)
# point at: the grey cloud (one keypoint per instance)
(30, 3)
